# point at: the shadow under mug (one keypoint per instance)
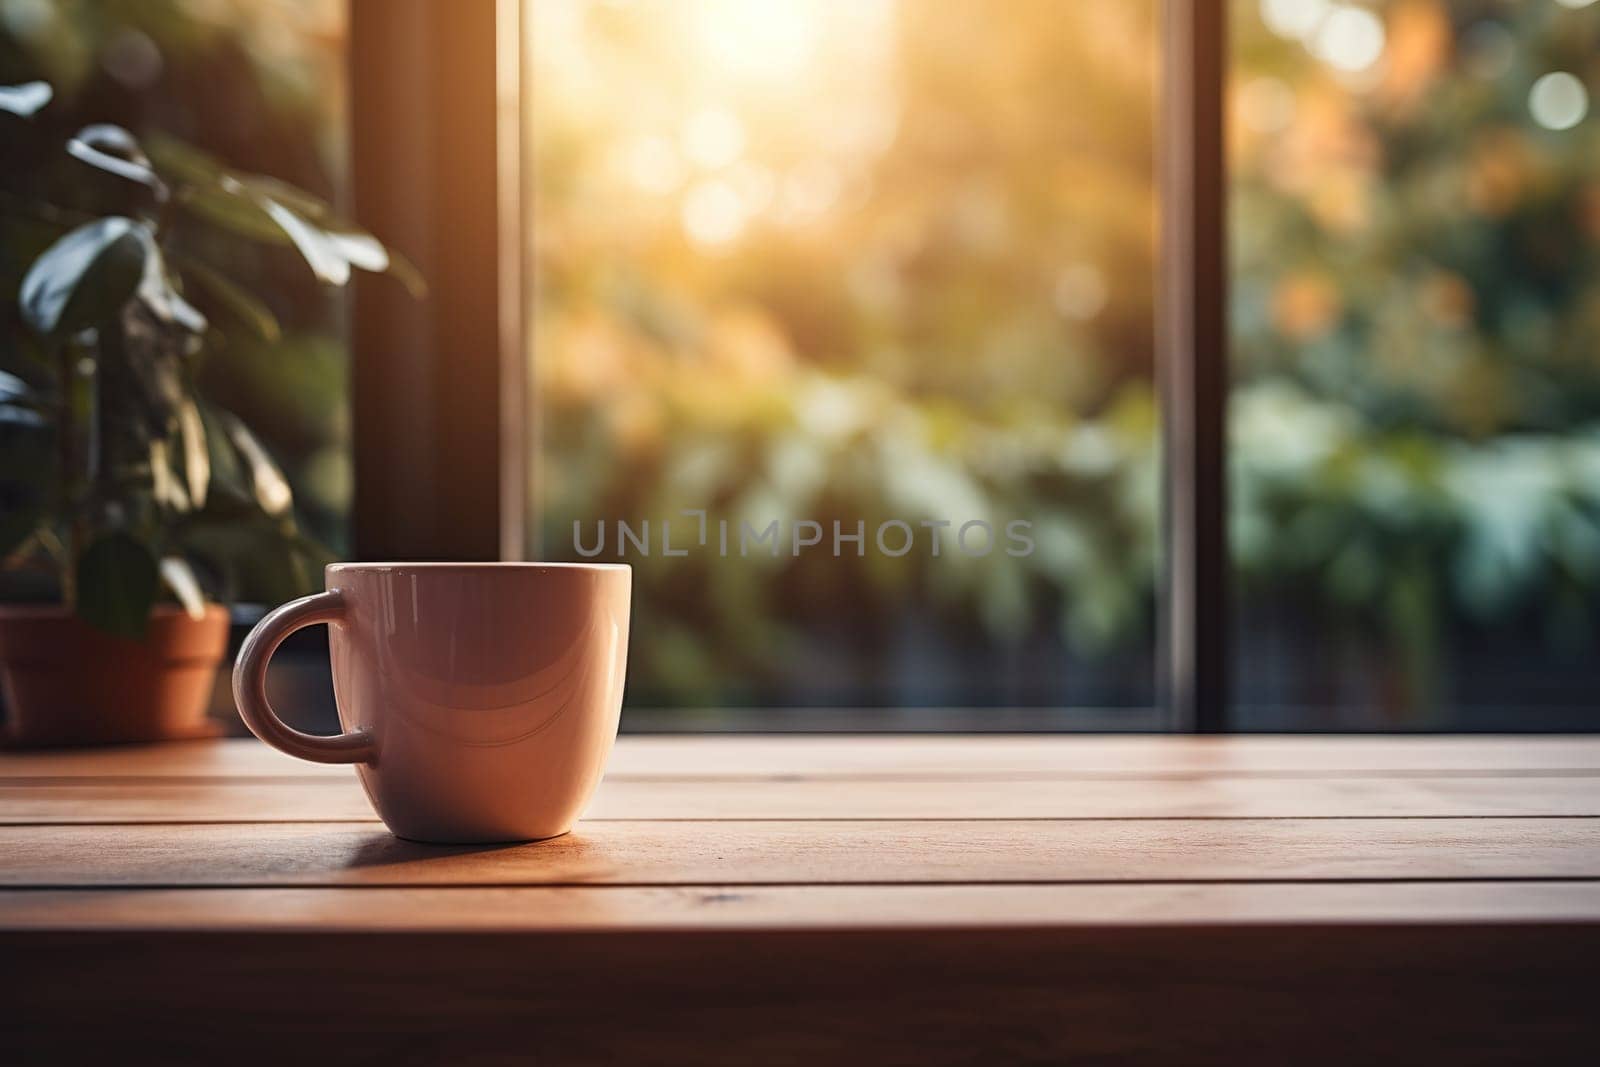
(479, 701)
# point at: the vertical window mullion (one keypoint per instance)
(437, 384)
(1192, 354)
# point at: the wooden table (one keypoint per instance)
(982, 900)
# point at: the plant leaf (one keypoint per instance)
(26, 99)
(179, 577)
(117, 584)
(14, 390)
(238, 300)
(356, 245)
(116, 151)
(325, 258)
(406, 273)
(160, 295)
(196, 457)
(86, 276)
(266, 481)
(179, 159)
(230, 492)
(164, 485)
(232, 212)
(296, 199)
(360, 250)
(267, 209)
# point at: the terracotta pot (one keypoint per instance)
(66, 683)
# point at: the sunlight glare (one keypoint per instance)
(653, 164)
(713, 138)
(772, 39)
(713, 213)
(809, 191)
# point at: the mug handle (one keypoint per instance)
(250, 684)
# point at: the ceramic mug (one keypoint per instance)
(479, 701)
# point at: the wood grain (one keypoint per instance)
(200, 800)
(444, 909)
(815, 852)
(789, 900)
(959, 757)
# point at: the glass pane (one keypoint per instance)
(809, 272)
(1416, 402)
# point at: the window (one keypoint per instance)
(852, 305)
(1415, 206)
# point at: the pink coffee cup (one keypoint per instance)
(479, 701)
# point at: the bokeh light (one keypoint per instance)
(1293, 18)
(1350, 39)
(1558, 101)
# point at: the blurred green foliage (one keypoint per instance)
(1416, 323)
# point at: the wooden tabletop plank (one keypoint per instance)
(752, 907)
(1026, 894)
(957, 757)
(791, 852)
(199, 800)
(1094, 756)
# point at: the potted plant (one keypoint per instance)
(123, 492)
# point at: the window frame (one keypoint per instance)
(435, 479)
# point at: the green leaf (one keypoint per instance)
(232, 212)
(196, 456)
(160, 294)
(230, 490)
(296, 199)
(179, 577)
(233, 296)
(180, 160)
(26, 99)
(86, 276)
(406, 273)
(164, 485)
(322, 254)
(267, 209)
(14, 390)
(355, 244)
(117, 584)
(262, 477)
(116, 151)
